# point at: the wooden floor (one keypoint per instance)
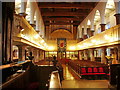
(71, 80)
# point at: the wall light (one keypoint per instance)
(72, 48)
(36, 36)
(93, 41)
(50, 48)
(22, 30)
(42, 41)
(106, 37)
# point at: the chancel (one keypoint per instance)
(56, 44)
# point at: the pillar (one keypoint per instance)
(37, 21)
(103, 55)
(92, 58)
(118, 53)
(102, 27)
(37, 55)
(32, 13)
(80, 55)
(7, 15)
(80, 35)
(85, 34)
(117, 18)
(85, 55)
(44, 55)
(23, 8)
(88, 31)
(92, 28)
(21, 50)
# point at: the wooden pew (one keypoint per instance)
(88, 68)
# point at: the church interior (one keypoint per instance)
(60, 44)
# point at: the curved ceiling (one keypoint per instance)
(61, 34)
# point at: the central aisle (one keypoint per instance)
(71, 80)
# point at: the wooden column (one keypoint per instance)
(92, 58)
(117, 18)
(21, 50)
(7, 23)
(82, 33)
(23, 9)
(85, 55)
(103, 55)
(118, 53)
(44, 55)
(80, 55)
(102, 27)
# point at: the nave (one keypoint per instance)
(82, 38)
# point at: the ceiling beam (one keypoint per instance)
(64, 14)
(62, 23)
(66, 5)
(61, 19)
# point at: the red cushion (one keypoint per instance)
(100, 69)
(83, 70)
(95, 69)
(89, 69)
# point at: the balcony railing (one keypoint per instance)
(25, 33)
(106, 38)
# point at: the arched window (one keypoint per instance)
(109, 14)
(97, 22)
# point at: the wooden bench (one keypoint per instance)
(89, 68)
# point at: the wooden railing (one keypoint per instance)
(33, 77)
